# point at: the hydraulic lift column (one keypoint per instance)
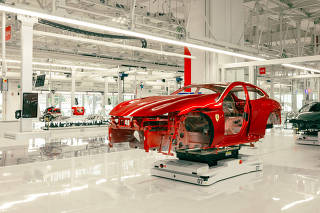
(26, 64)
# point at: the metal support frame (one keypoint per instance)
(298, 24)
(304, 38)
(281, 30)
(132, 14)
(202, 174)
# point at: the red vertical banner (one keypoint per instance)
(8, 33)
(187, 68)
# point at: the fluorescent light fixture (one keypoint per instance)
(63, 65)
(143, 73)
(301, 67)
(11, 61)
(71, 66)
(51, 70)
(13, 67)
(122, 31)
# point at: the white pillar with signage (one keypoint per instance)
(26, 33)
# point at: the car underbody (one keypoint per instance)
(307, 127)
(167, 132)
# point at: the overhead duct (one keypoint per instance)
(90, 33)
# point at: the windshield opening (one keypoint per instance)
(200, 89)
(315, 108)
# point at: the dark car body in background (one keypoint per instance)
(308, 119)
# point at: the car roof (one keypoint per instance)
(222, 86)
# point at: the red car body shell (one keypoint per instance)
(160, 119)
(53, 110)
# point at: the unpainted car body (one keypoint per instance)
(208, 116)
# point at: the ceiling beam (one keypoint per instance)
(274, 61)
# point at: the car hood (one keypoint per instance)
(159, 105)
(309, 116)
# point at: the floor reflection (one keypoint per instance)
(121, 181)
(42, 149)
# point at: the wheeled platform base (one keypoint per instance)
(201, 173)
(308, 139)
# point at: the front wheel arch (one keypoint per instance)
(207, 118)
(273, 119)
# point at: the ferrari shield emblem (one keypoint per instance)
(217, 117)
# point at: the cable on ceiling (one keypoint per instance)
(90, 33)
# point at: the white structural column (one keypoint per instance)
(94, 104)
(214, 20)
(167, 86)
(73, 86)
(4, 66)
(175, 86)
(272, 90)
(196, 29)
(120, 95)
(26, 64)
(271, 85)
(50, 95)
(294, 91)
(105, 95)
(221, 74)
(305, 86)
(280, 94)
(252, 75)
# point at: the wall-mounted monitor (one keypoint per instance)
(40, 81)
(30, 105)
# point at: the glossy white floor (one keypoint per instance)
(120, 182)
